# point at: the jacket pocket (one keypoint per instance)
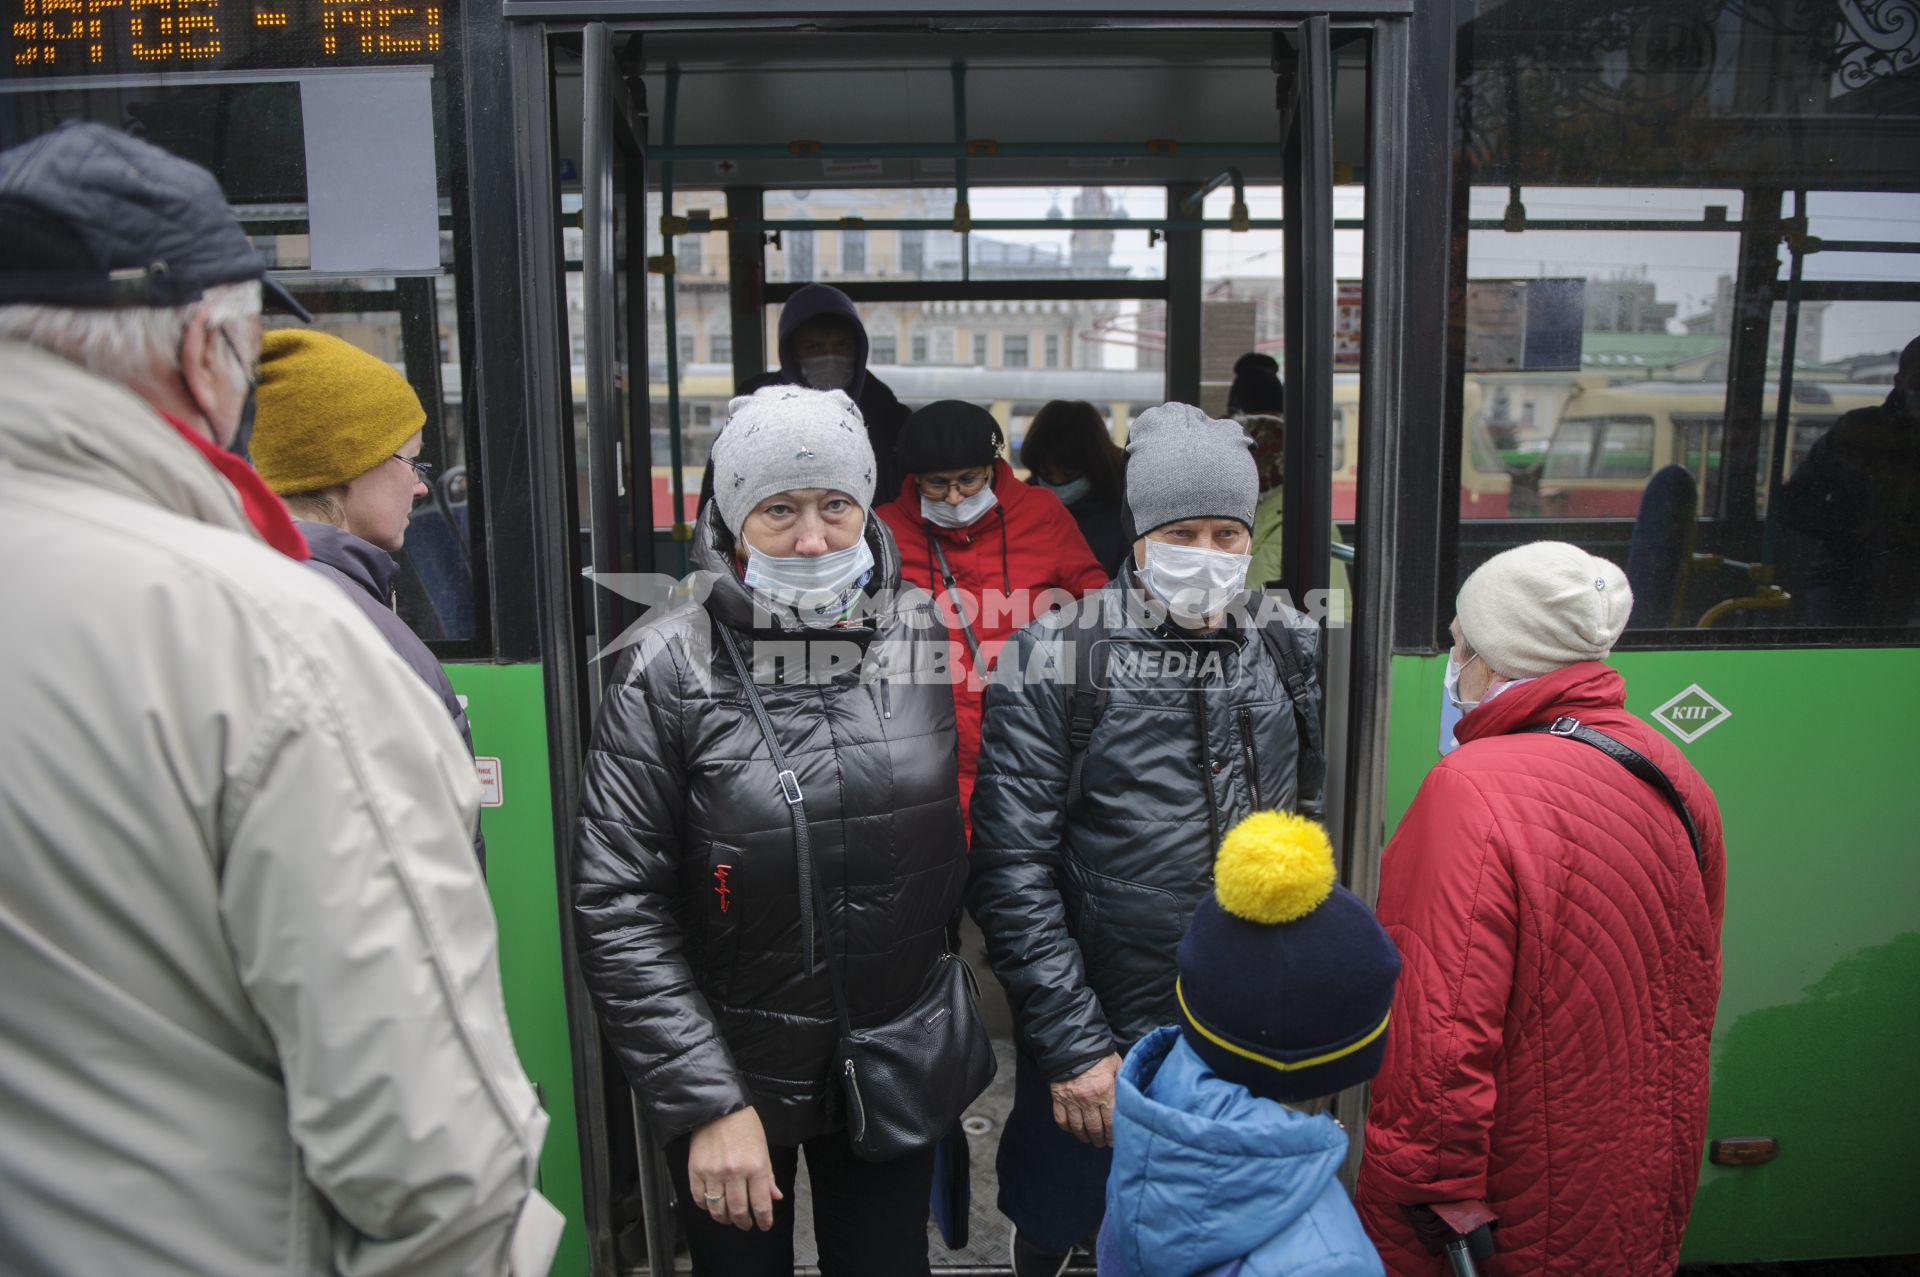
(1252, 756)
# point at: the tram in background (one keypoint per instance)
(488, 194)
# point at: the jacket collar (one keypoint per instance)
(732, 604)
(1574, 690)
(362, 562)
(58, 419)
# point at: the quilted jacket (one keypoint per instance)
(1082, 910)
(1027, 542)
(685, 891)
(1562, 962)
(1210, 1180)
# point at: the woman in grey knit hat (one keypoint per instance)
(685, 895)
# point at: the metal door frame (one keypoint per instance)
(1409, 163)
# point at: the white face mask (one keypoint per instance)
(828, 372)
(1194, 583)
(1069, 492)
(969, 511)
(1451, 684)
(821, 589)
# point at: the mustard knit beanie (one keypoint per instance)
(328, 411)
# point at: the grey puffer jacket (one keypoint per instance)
(1082, 910)
(685, 885)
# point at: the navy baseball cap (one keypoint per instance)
(90, 217)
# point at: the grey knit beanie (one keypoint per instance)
(1543, 606)
(1182, 464)
(784, 437)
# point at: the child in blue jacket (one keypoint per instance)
(1284, 988)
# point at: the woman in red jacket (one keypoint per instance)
(988, 545)
(1547, 1069)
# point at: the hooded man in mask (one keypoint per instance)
(823, 345)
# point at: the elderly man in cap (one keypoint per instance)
(1103, 793)
(1555, 891)
(252, 1019)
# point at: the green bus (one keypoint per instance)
(526, 204)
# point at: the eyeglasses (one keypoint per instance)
(422, 470)
(966, 484)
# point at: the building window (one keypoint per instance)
(686, 349)
(943, 346)
(886, 350)
(980, 350)
(799, 246)
(853, 252)
(1053, 350)
(688, 256)
(913, 252)
(720, 347)
(1013, 350)
(919, 349)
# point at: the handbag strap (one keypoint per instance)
(812, 915)
(953, 592)
(1634, 761)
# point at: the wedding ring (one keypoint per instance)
(715, 1197)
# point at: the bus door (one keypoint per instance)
(618, 473)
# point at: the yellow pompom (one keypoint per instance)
(1274, 867)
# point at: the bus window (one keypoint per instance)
(1571, 452)
(1698, 441)
(1626, 450)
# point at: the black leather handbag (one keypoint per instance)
(906, 1082)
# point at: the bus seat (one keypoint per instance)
(1660, 555)
(433, 550)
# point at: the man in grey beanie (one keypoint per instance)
(1103, 791)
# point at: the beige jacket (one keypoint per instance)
(250, 1018)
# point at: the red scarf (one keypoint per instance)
(265, 510)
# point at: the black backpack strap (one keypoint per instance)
(1634, 761)
(1089, 699)
(1295, 673)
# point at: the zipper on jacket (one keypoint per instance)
(1253, 760)
(886, 699)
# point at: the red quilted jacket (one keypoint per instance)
(1027, 542)
(1548, 1048)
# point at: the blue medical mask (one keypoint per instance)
(968, 512)
(821, 589)
(1070, 492)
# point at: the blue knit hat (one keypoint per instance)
(1286, 979)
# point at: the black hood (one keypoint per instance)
(811, 302)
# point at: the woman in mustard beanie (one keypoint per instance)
(338, 436)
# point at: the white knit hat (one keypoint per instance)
(1542, 606)
(785, 437)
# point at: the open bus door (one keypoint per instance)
(619, 483)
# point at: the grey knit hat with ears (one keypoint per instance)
(780, 438)
(1182, 464)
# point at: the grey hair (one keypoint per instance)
(133, 344)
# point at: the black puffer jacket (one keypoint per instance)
(685, 896)
(1082, 912)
